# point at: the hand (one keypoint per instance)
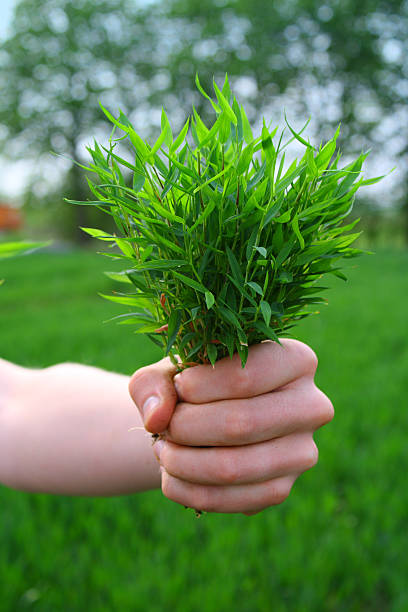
(238, 438)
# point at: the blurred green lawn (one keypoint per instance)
(338, 543)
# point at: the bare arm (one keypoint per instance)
(233, 440)
(65, 430)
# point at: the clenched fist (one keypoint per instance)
(234, 439)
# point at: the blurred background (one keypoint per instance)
(335, 62)
(340, 541)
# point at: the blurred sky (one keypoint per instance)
(6, 10)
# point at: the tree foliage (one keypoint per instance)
(341, 61)
(61, 58)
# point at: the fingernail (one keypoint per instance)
(149, 406)
(177, 385)
(157, 448)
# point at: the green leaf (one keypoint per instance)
(156, 146)
(127, 300)
(166, 213)
(295, 227)
(375, 179)
(266, 312)
(235, 267)
(9, 249)
(297, 135)
(261, 250)
(203, 216)
(226, 90)
(266, 331)
(166, 128)
(209, 299)
(188, 337)
(195, 350)
(97, 233)
(138, 175)
(246, 126)
(120, 277)
(139, 144)
(146, 329)
(201, 90)
(161, 264)
(171, 245)
(166, 137)
(212, 133)
(230, 317)
(173, 329)
(323, 158)
(182, 167)
(211, 180)
(180, 138)
(284, 218)
(245, 159)
(135, 318)
(241, 290)
(242, 351)
(229, 342)
(224, 130)
(311, 162)
(212, 353)
(224, 104)
(257, 288)
(125, 247)
(112, 119)
(190, 282)
(283, 253)
(267, 144)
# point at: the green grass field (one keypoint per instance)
(338, 543)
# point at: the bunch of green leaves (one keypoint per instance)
(223, 240)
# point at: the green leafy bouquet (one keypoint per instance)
(223, 242)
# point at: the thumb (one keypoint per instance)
(152, 389)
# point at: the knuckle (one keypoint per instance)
(166, 485)
(241, 382)
(238, 426)
(311, 455)
(228, 471)
(309, 358)
(280, 492)
(323, 408)
(166, 457)
(306, 356)
(181, 384)
(201, 499)
(137, 378)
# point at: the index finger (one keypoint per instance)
(269, 367)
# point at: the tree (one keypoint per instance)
(62, 58)
(338, 61)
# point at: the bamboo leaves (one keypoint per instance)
(223, 242)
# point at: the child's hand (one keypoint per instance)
(238, 438)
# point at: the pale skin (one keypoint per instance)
(231, 439)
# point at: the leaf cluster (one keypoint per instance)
(223, 240)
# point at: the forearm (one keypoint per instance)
(65, 430)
